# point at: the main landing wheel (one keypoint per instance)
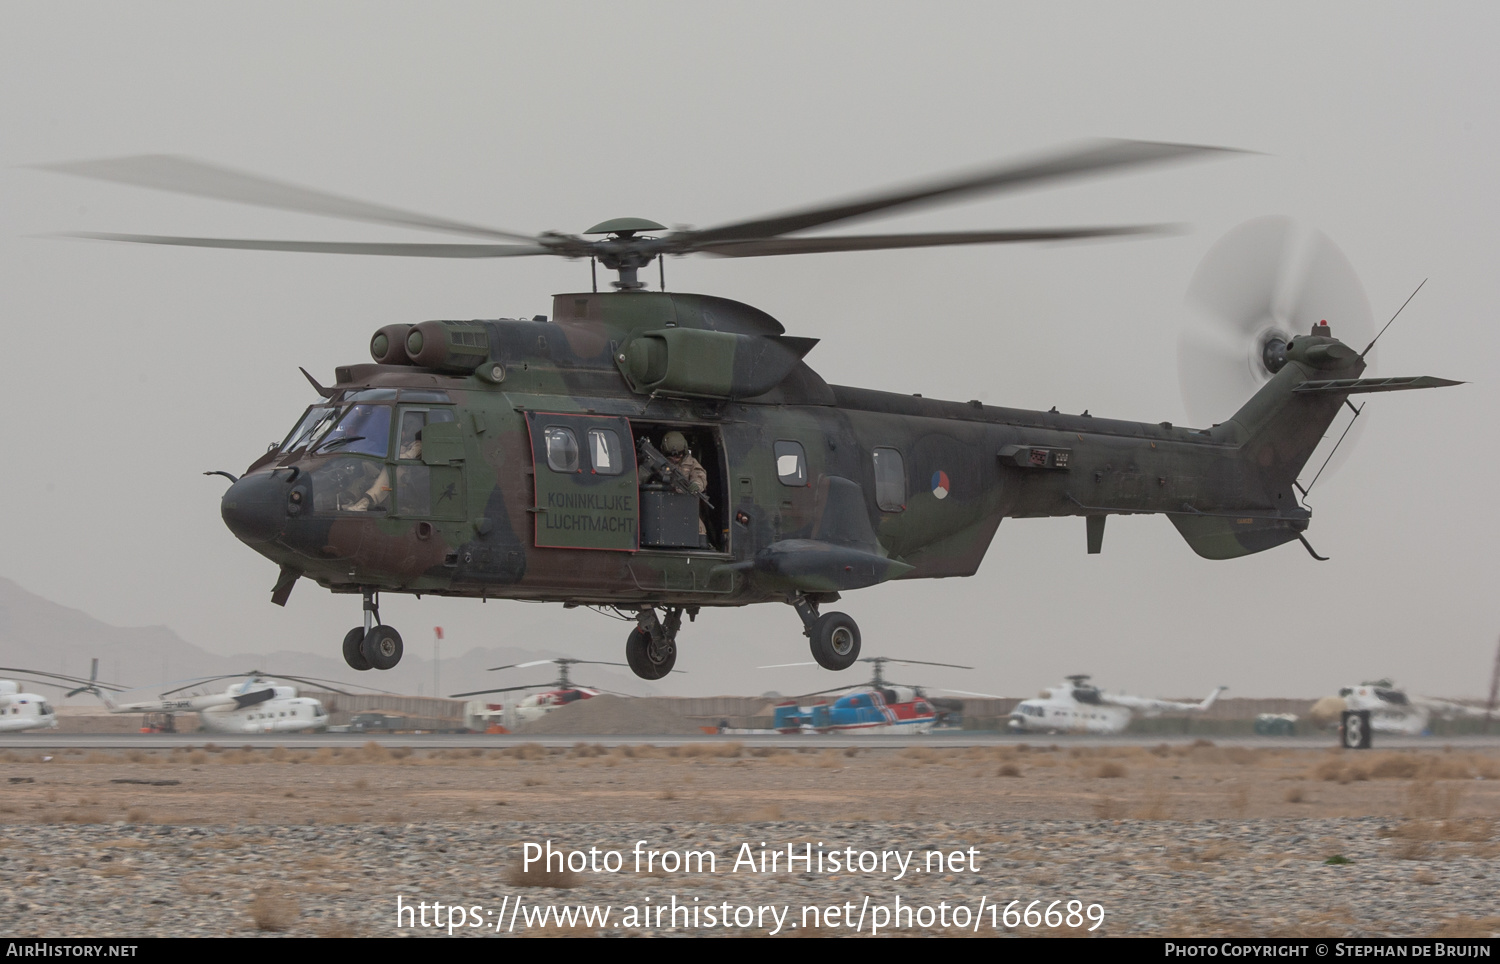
(382, 647)
(835, 641)
(353, 649)
(648, 660)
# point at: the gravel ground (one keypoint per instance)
(1196, 841)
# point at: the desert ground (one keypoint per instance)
(1187, 840)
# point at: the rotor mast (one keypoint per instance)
(624, 253)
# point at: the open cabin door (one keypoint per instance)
(586, 486)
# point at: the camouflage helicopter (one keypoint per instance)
(519, 458)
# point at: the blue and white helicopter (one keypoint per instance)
(877, 707)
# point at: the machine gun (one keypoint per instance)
(662, 466)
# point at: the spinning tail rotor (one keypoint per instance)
(1263, 283)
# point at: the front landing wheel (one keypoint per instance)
(353, 649)
(835, 641)
(382, 647)
(648, 660)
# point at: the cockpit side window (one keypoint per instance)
(413, 420)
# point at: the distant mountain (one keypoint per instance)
(41, 635)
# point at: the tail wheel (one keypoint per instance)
(835, 641)
(354, 653)
(646, 660)
(382, 647)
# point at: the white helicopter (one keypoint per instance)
(23, 711)
(1393, 711)
(256, 704)
(1075, 706)
(30, 711)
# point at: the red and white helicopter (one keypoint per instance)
(489, 717)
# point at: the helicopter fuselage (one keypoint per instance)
(24, 711)
(526, 482)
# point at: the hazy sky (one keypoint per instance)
(130, 370)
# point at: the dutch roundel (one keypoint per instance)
(940, 484)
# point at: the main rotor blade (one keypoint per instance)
(503, 689)
(1096, 156)
(878, 242)
(60, 676)
(914, 662)
(535, 662)
(183, 175)
(332, 247)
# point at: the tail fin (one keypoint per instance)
(92, 686)
(1212, 699)
(1274, 434)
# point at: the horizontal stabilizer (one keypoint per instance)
(1352, 386)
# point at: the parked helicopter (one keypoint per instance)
(1392, 710)
(879, 706)
(517, 458)
(1075, 706)
(537, 705)
(29, 711)
(256, 704)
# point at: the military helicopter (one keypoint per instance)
(1076, 706)
(518, 458)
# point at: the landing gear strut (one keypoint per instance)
(372, 646)
(834, 637)
(651, 649)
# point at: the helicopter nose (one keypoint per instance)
(254, 508)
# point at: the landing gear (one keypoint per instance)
(651, 649)
(372, 646)
(353, 652)
(382, 647)
(834, 637)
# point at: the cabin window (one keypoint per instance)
(604, 451)
(791, 463)
(562, 449)
(890, 480)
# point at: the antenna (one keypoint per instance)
(1393, 318)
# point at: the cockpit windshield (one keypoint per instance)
(363, 429)
(317, 420)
